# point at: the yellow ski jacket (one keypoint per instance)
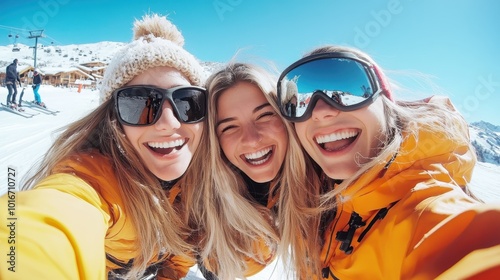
(412, 220)
(65, 227)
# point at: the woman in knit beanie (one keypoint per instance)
(110, 199)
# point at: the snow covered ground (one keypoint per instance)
(23, 141)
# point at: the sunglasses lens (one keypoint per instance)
(343, 83)
(190, 103)
(138, 106)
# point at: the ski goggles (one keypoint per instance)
(342, 80)
(141, 105)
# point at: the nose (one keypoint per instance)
(167, 120)
(323, 111)
(250, 135)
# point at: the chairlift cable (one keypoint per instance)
(10, 28)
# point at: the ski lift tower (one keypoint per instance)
(35, 34)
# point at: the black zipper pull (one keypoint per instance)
(324, 272)
(345, 237)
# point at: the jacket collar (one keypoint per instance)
(427, 156)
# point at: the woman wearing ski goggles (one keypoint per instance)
(395, 175)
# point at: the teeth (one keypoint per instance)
(258, 154)
(259, 162)
(336, 136)
(166, 145)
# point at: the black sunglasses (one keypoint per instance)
(141, 105)
(341, 79)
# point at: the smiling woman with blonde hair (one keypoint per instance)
(395, 175)
(112, 197)
(256, 164)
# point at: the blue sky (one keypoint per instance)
(428, 47)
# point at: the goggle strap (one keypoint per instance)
(384, 84)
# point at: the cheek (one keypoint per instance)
(197, 131)
(277, 129)
(300, 129)
(376, 126)
(226, 145)
(132, 134)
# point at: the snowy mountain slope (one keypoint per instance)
(486, 139)
(60, 56)
(67, 56)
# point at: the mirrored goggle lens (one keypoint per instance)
(143, 105)
(343, 83)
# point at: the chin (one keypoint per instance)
(341, 173)
(262, 178)
(171, 172)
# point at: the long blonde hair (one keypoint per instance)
(166, 230)
(234, 222)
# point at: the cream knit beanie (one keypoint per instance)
(156, 42)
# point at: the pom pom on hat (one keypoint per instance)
(156, 42)
(158, 27)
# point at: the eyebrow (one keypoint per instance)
(256, 109)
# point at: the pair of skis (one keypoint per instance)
(42, 109)
(21, 112)
(18, 111)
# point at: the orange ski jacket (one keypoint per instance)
(413, 220)
(70, 221)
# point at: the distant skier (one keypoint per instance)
(37, 81)
(10, 80)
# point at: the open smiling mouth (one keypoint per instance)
(259, 157)
(165, 148)
(337, 141)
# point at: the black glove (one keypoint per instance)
(33, 86)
